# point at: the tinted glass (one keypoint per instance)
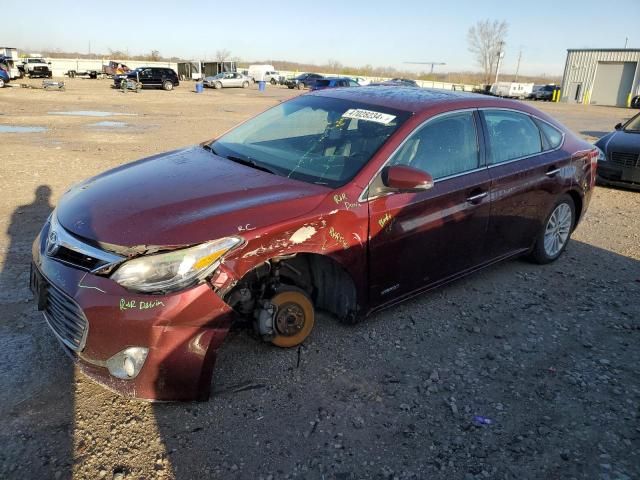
(511, 135)
(445, 146)
(320, 140)
(552, 134)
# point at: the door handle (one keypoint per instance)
(478, 196)
(552, 172)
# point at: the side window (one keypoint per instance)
(445, 146)
(551, 134)
(511, 135)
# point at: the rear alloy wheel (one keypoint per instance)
(167, 85)
(245, 84)
(294, 317)
(273, 81)
(217, 85)
(1, 83)
(300, 86)
(554, 237)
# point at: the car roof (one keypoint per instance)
(400, 98)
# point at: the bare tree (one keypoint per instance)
(155, 55)
(222, 55)
(486, 39)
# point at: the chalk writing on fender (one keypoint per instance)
(139, 305)
(338, 237)
(340, 197)
(386, 221)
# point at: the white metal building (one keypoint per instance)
(601, 76)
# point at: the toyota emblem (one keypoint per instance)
(52, 243)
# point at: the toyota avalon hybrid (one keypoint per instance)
(341, 200)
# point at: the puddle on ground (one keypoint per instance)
(19, 129)
(92, 113)
(109, 124)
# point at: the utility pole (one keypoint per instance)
(518, 67)
(500, 56)
(626, 41)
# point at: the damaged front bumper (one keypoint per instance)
(154, 347)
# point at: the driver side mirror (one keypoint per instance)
(618, 126)
(406, 179)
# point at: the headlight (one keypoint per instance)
(173, 270)
(601, 156)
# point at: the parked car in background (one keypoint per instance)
(36, 67)
(304, 80)
(619, 160)
(5, 77)
(151, 77)
(397, 82)
(344, 200)
(532, 95)
(635, 102)
(512, 90)
(323, 83)
(363, 82)
(545, 92)
(266, 73)
(227, 79)
(115, 68)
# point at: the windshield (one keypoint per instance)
(633, 125)
(36, 60)
(319, 140)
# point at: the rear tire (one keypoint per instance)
(167, 85)
(555, 232)
(300, 86)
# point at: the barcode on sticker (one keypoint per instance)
(369, 115)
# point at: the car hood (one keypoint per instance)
(620, 141)
(180, 198)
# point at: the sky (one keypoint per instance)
(352, 32)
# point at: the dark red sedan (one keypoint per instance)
(344, 200)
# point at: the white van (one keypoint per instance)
(263, 73)
(511, 89)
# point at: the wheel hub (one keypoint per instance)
(290, 319)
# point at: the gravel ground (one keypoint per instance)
(518, 372)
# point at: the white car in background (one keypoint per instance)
(227, 79)
(361, 81)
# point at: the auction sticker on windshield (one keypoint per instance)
(369, 115)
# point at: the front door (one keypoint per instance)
(420, 239)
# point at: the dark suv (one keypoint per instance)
(304, 80)
(151, 77)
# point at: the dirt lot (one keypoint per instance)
(550, 354)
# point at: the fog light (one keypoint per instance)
(127, 363)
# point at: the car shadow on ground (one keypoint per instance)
(37, 394)
(523, 345)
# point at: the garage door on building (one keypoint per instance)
(613, 83)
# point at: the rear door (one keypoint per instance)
(527, 172)
(420, 239)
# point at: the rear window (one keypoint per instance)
(512, 135)
(552, 135)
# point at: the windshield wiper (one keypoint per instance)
(249, 163)
(243, 161)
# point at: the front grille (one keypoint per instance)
(66, 319)
(77, 259)
(625, 159)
